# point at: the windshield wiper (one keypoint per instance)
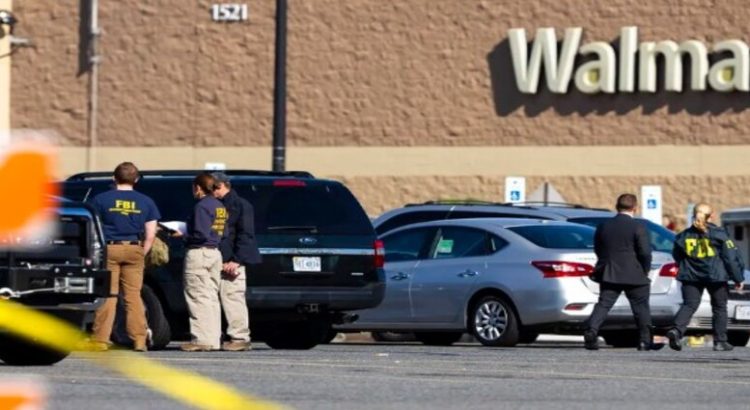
(304, 228)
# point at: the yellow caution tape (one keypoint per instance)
(187, 387)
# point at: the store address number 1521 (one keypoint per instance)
(229, 12)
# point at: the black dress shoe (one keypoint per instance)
(675, 339)
(645, 346)
(722, 347)
(590, 340)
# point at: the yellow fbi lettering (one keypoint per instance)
(699, 248)
(220, 220)
(125, 207)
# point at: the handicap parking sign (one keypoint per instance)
(651, 204)
(515, 196)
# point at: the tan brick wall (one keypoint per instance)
(361, 72)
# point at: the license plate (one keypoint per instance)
(306, 264)
(742, 313)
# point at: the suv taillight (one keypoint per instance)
(289, 183)
(379, 256)
(562, 269)
(669, 270)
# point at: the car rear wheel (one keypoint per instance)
(527, 337)
(158, 325)
(439, 338)
(21, 352)
(393, 336)
(297, 335)
(493, 322)
(329, 336)
(738, 339)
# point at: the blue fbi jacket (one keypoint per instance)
(124, 213)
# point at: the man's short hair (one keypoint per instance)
(126, 174)
(626, 202)
(221, 178)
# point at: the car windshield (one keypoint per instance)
(662, 239)
(557, 236)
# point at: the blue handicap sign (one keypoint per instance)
(651, 204)
(515, 195)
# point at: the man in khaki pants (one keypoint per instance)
(127, 216)
(238, 250)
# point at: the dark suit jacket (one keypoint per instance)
(239, 243)
(623, 250)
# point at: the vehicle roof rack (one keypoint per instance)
(459, 202)
(554, 205)
(191, 172)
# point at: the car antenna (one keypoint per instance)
(88, 192)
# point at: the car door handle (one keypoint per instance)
(468, 273)
(400, 276)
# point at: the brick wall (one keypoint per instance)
(361, 72)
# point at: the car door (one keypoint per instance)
(441, 283)
(403, 251)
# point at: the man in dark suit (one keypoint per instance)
(624, 259)
(239, 249)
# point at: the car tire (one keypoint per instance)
(738, 338)
(493, 322)
(393, 336)
(438, 338)
(158, 325)
(621, 338)
(527, 337)
(21, 352)
(297, 335)
(329, 337)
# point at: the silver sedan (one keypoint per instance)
(502, 280)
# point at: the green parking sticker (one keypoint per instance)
(445, 246)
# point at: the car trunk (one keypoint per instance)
(293, 260)
(659, 284)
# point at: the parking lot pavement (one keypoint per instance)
(548, 375)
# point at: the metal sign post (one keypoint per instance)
(279, 94)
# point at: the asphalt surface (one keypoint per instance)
(547, 375)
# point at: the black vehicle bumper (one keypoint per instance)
(57, 289)
(328, 298)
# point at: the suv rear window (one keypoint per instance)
(328, 208)
(557, 236)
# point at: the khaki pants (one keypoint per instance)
(232, 295)
(202, 277)
(125, 262)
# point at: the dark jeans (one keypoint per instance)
(638, 296)
(691, 299)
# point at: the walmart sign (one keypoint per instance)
(606, 71)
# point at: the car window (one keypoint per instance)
(661, 238)
(409, 244)
(457, 242)
(409, 218)
(329, 208)
(557, 236)
(497, 243)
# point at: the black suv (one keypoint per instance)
(65, 276)
(321, 257)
